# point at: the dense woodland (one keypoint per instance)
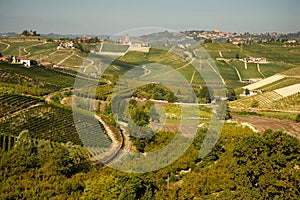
(242, 165)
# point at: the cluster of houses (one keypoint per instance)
(65, 45)
(136, 45)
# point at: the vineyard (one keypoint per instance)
(275, 53)
(229, 74)
(226, 50)
(37, 80)
(48, 122)
(262, 99)
(17, 47)
(288, 103)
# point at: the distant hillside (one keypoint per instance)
(56, 35)
(3, 35)
(165, 37)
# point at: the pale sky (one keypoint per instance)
(114, 16)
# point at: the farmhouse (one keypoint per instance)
(21, 60)
(256, 60)
(24, 61)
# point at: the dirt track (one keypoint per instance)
(263, 123)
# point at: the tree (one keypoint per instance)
(247, 91)
(205, 93)
(208, 40)
(237, 56)
(267, 166)
(231, 94)
(33, 62)
(1, 55)
(297, 118)
(25, 32)
(50, 40)
(153, 114)
(254, 103)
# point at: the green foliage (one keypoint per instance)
(208, 41)
(254, 104)
(29, 33)
(297, 118)
(206, 94)
(37, 80)
(57, 98)
(242, 165)
(155, 91)
(231, 94)
(34, 172)
(266, 166)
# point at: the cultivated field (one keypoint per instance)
(264, 123)
(264, 82)
(289, 90)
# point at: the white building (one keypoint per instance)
(25, 62)
(22, 60)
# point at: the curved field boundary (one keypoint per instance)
(8, 46)
(264, 82)
(289, 90)
(28, 52)
(237, 71)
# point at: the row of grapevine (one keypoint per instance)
(13, 103)
(49, 122)
(7, 142)
(291, 103)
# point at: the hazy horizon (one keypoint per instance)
(111, 17)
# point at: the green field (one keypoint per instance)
(250, 72)
(41, 48)
(273, 68)
(17, 48)
(73, 61)
(88, 47)
(229, 74)
(2, 47)
(281, 59)
(228, 50)
(58, 56)
(275, 52)
(108, 47)
(37, 80)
